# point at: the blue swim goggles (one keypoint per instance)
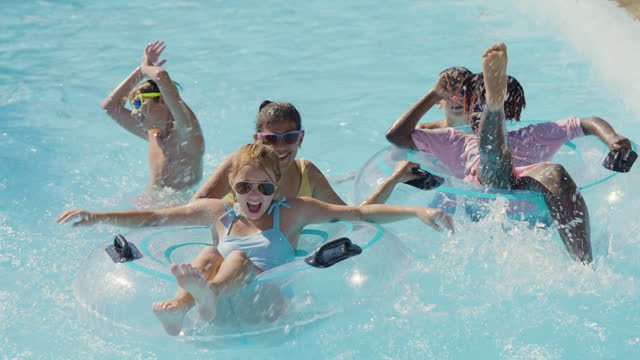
(138, 101)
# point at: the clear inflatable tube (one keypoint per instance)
(119, 295)
(582, 157)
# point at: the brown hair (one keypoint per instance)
(148, 86)
(259, 153)
(474, 96)
(273, 112)
(457, 72)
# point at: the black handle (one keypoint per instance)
(333, 252)
(426, 181)
(122, 251)
(122, 247)
(614, 161)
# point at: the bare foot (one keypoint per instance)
(494, 67)
(192, 280)
(170, 315)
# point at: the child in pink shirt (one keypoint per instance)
(530, 146)
(515, 160)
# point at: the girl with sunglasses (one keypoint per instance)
(258, 233)
(279, 125)
(160, 116)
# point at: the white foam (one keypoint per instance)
(605, 33)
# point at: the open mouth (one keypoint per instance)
(283, 157)
(254, 208)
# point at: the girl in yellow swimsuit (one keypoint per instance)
(279, 125)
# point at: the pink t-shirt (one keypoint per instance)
(529, 146)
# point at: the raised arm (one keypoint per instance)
(605, 132)
(399, 133)
(312, 211)
(113, 104)
(201, 212)
(217, 185)
(151, 68)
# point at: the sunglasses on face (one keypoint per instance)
(138, 101)
(289, 138)
(244, 187)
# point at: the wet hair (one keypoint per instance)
(274, 112)
(263, 155)
(148, 86)
(458, 72)
(474, 97)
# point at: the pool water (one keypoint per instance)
(496, 289)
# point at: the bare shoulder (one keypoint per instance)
(312, 169)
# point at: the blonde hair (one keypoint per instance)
(256, 153)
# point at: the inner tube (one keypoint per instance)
(582, 158)
(352, 264)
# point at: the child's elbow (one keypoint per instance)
(109, 106)
(396, 138)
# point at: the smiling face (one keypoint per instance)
(253, 204)
(286, 152)
(453, 108)
(255, 171)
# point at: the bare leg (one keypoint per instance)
(192, 280)
(235, 272)
(208, 261)
(171, 312)
(496, 167)
(566, 206)
(265, 303)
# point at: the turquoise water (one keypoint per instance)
(351, 68)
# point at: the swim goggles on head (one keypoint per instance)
(138, 100)
(288, 138)
(244, 187)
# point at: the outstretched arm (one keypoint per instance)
(217, 185)
(400, 132)
(153, 69)
(312, 211)
(200, 212)
(605, 132)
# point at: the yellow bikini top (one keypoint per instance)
(305, 184)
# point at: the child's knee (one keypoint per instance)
(238, 255)
(210, 253)
(558, 181)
